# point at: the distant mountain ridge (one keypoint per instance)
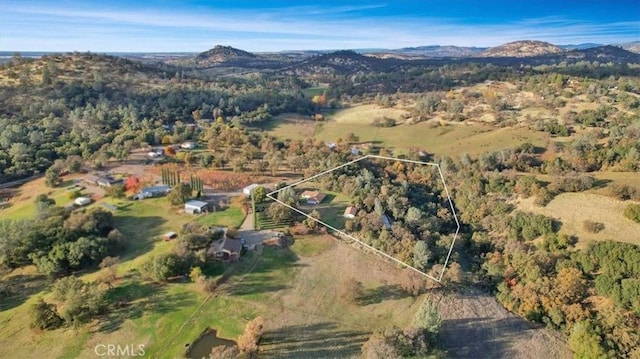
(429, 51)
(359, 60)
(524, 48)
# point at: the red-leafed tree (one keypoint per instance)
(169, 151)
(132, 184)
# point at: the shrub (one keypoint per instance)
(248, 341)
(44, 316)
(206, 285)
(624, 192)
(571, 183)
(74, 194)
(350, 289)
(383, 122)
(592, 227)
(162, 267)
(528, 226)
(633, 212)
(116, 191)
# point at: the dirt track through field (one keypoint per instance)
(475, 325)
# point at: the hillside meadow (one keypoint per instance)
(452, 139)
(573, 209)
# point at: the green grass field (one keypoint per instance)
(331, 208)
(309, 92)
(311, 245)
(167, 317)
(229, 217)
(23, 206)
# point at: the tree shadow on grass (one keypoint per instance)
(601, 182)
(381, 294)
(19, 288)
(268, 273)
(140, 233)
(133, 299)
(320, 340)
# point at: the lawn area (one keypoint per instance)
(313, 91)
(143, 223)
(229, 217)
(312, 245)
(331, 208)
(22, 204)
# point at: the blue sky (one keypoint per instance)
(193, 26)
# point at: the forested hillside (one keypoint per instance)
(100, 107)
(514, 138)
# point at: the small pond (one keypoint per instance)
(201, 347)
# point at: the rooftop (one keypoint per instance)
(194, 203)
(350, 210)
(230, 245)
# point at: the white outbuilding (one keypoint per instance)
(82, 201)
(249, 189)
(195, 207)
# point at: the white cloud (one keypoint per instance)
(26, 26)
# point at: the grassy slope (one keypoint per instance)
(451, 140)
(591, 207)
(331, 209)
(153, 315)
(365, 114)
(22, 203)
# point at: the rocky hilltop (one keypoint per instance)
(526, 48)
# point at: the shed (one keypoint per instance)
(249, 189)
(169, 236)
(194, 207)
(82, 201)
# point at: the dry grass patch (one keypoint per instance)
(365, 114)
(573, 209)
(291, 126)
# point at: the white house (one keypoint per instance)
(195, 207)
(188, 145)
(82, 201)
(156, 153)
(249, 189)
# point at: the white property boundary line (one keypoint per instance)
(342, 233)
